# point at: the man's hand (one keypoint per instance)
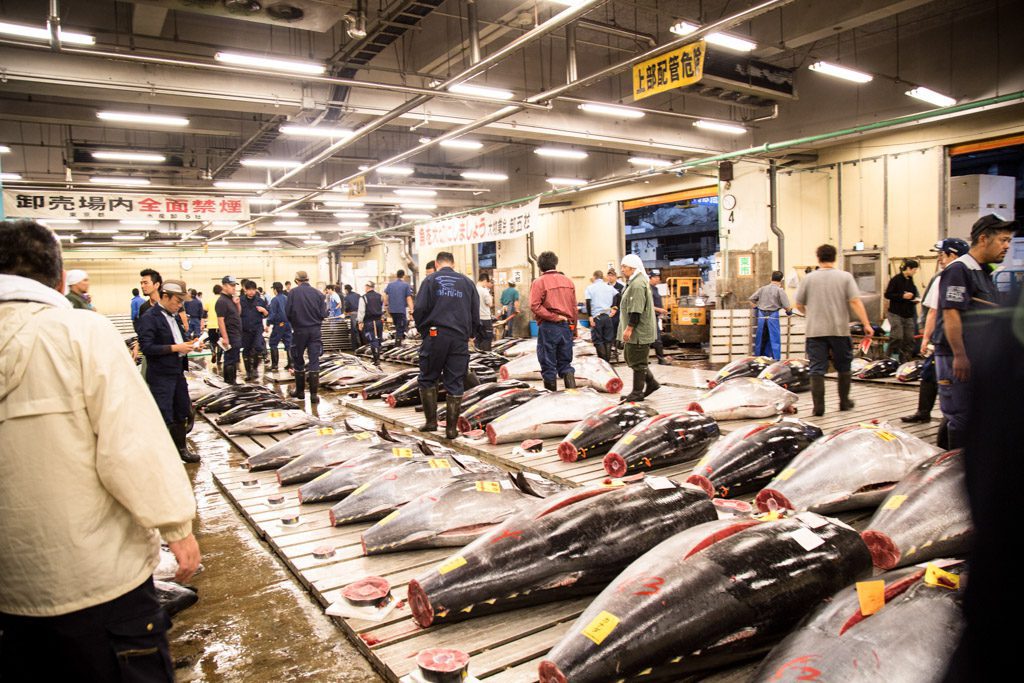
(961, 367)
(908, 295)
(924, 346)
(184, 347)
(627, 333)
(186, 552)
(869, 330)
(262, 310)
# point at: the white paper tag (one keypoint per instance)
(507, 485)
(942, 564)
(807, 539)
(811, 519)
(658, 483)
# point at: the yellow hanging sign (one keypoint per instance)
(675, 69)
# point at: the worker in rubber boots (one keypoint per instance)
(369, 318)
(254, 311)
(637, 327)
(553, 302)
(306, 309)
(447, 316)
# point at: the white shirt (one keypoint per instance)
(931, 297)
(486, 302)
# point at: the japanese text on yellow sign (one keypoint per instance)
(674, 69)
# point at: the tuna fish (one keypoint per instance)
(452, 515)
(597, 373)
(494, 406)
(174, 597)
(341, 480)
(548, 415)
(926, 516)
(910, 371)
(573, 544)
(273, 421)
(858, 364)
(264, 405)
(880, 368)
(792, 374)
(385, 385)
(744, 367)
(744, 398)
(748, 458)
(851, 468)
(661, 440)
(481, 391)
(350, 376)
(320, 460)
(409, 394)
(911, 638)
(728, 580)
(522, 347)
(596, 434)
(286, 450)
(232, 396)
(521, 367)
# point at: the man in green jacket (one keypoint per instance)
(78, 290)
(637, 327)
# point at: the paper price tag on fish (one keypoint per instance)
(325, 431)
(628, 439)
(276, 413)
(812, 520)
(360, 489)
(871, 595)
(488, 487)
(401, 452)
(934, 576)
(363, 435)
(574, 434)
(894, 502)
(785, 474)
(388, 519)
(452, 564)
(439, 464)
(658, 483)
(807, 539)
(601, 627)
(885, 436)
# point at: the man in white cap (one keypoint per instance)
(637, 327)
(78, 290)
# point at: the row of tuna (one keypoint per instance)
(253, 409)
(794, 373)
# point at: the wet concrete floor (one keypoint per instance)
(253, 621)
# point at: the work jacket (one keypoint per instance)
(636, 298)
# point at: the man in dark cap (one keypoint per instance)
(229, 323)
(306, 309)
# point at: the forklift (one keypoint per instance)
(688, 318)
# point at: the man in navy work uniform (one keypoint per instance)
(306, 309)
(447, 315)
(254, 310)
(351, 305)
(398, 300)
(194, 310)
(369, 317)
(280, 328)
(659, 314)
(162, 339)
(599, 296)
(553, 302)
(229, 324)
(966, 299)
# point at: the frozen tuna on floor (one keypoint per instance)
(490, 408)
(548, 415)
(273, 421)
(745, 398)
(661, 440)
(877, 369)
(595, 435)
(288, 449)
(792, 374)
(752, 366)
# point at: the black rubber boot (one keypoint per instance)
(313, 379)
(299, 391)
(274, 358)
(376, 356)
(652, 383)
(639, 379)
(231, 374)
(926, 396)
(942, 438)
(845, 382)
(602, 351)
(659, 351)
(178, 432)
(452, 405)
(818, 395)
(428, 399)
(569, 380)
(471, 380)
(551, 384)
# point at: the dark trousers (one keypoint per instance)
(212, 337)
(124, 639)
(554, 350)
(194, 327)
(954, 400)
(252, 342)
(281, 333)
(306, 341)
(446, 357)
(171, 395)
(401, 323)
(484, 335)
(357, 340)
(637, 356)
(232, 355)
(507, 315)
(373, 330)
(820, 348)
(602, 329)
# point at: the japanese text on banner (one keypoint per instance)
(91, 206)
(502, 224)
(684, 66)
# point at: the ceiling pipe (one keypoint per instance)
(571, 72)
(53, 23)
(617, 31)
(773, 210)
(473, 19)
(658, 112)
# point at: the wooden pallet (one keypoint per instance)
(504, 647)
(733, 334)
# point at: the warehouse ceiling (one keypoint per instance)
(383, 70)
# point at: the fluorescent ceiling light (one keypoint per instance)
(647, 161)
(415, 216)
(611, 110)
(290, 224)
(341, 203)
(560, 153)
(131, 117)
(720, 127)
(321, 241)
(60, 221)
(461, 144)
(567, 182)
(239, 185)
(43, 33)
(482, 175)
(417, 205)
(129, 156)
(70, 238)
(267, 243)
(101, 231)
(299, 231)
(225, 224)
(270, 163)
(217, 243)
(396, 170)
(481, 91)
(10, 176)
(294, 66)
(931, 97)
(351, 214)
(4, 149)
(410, 192)
(128, 238)
(129, 221)
(287, 214)
(264, 201)
(840, 72)
(353, 224)
(314, 131)
(685, 28)
(112, 180)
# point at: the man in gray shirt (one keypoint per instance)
(768, 301)
(826, 296)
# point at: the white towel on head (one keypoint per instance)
(76, 276)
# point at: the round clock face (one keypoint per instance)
(186, 265)
(728, 202)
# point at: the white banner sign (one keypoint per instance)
(490, 226)
(95, 206)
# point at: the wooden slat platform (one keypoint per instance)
(504, 647)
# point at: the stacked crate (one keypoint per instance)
(732, 335)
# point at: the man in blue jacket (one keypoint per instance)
(350, 302)
(162, 340)
(398, 301)
(306, 309)
(280, 328)
(254, 310)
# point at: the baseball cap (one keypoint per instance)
(176, 287)
(952, 245)
(301, 276)
(990, 222)
(228, 280)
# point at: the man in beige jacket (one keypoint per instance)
(89, 482)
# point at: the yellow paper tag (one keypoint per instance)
(571, 391)
(934, 576)
(871, 595)
(612, 483)
(573, 434)
(785, 474)
(488, 487)
(703, 462)
(894, 502)
(388, 518)
(767, 375)
(401, 452)
(452, 564)
(500, 418)
(885, 436)
(325, 431)
(770, 516)
(439, 464)
(628, 439)
(360, 489)
(868, 425)
(600, 628)
(276, 413)
(363, 435)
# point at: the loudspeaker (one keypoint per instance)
(725, 172)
